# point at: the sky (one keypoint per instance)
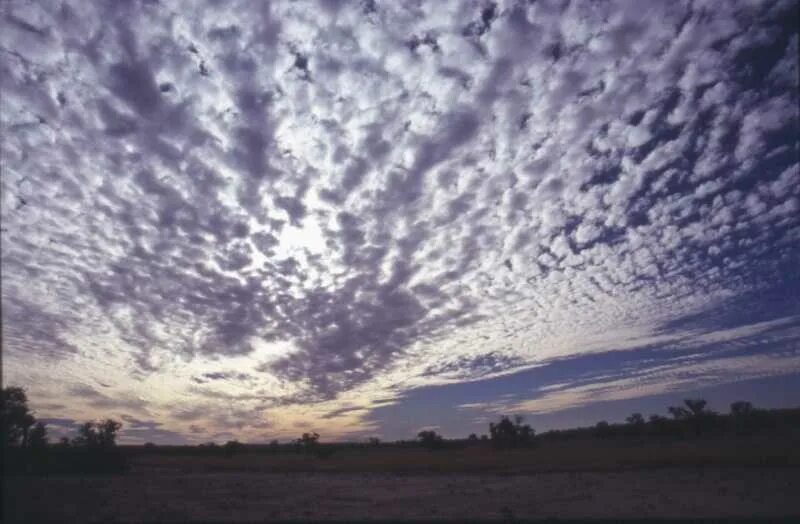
(249, 220)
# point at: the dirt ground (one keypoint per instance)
(660, 493)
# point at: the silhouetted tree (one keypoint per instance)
(678, 412)
(695, 414)
(697, 407)
(506, 433)
(232, 447)
(742, 408)
(308, 441)
(472, 437)
(373, 441)
(430, 439)
(745, 418)
(635, 424)
(86, 435)
(100, 435)
(107, 432)
(15, 417)
(602, 429)
(38, 436)
(636, 419)
(94, 444)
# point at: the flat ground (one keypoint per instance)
(624, 478)
(658, 493)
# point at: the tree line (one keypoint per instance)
(26, 447)
(691, 419)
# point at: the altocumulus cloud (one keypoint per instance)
(312, 200)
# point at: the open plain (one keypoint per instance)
(661, 493)
(736, 478)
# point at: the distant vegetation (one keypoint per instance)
(430, 439)
(692, 419)
(26, 448)
(507, 434)
(93, 450)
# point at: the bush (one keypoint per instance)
(232, 447)
(430, 439)
(307, 441)
(507, 434)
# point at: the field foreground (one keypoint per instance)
(660, 493)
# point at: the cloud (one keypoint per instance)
(316, 203)
(648, 374)
(136, 431)
(134, 423)
(67, 423)
(96, 399)
(342, 411)
(221, 375)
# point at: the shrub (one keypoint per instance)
(232, 447)
(430, 439)
(506, 434)
(308, 441)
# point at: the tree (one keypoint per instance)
(745, 418)
(635, 424)
(694, 414)
(502, 433)
(308, 441)
(430, 439)
(506, 433)
(525, 432)
(602, 429)
(15, 417)
(678, 412)
(86, 436)
(697, 407)
(232, 447)
(636, 419)
(107, 432)
(97, 442)
(742, 408)
(38, 436)
(100, 435)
